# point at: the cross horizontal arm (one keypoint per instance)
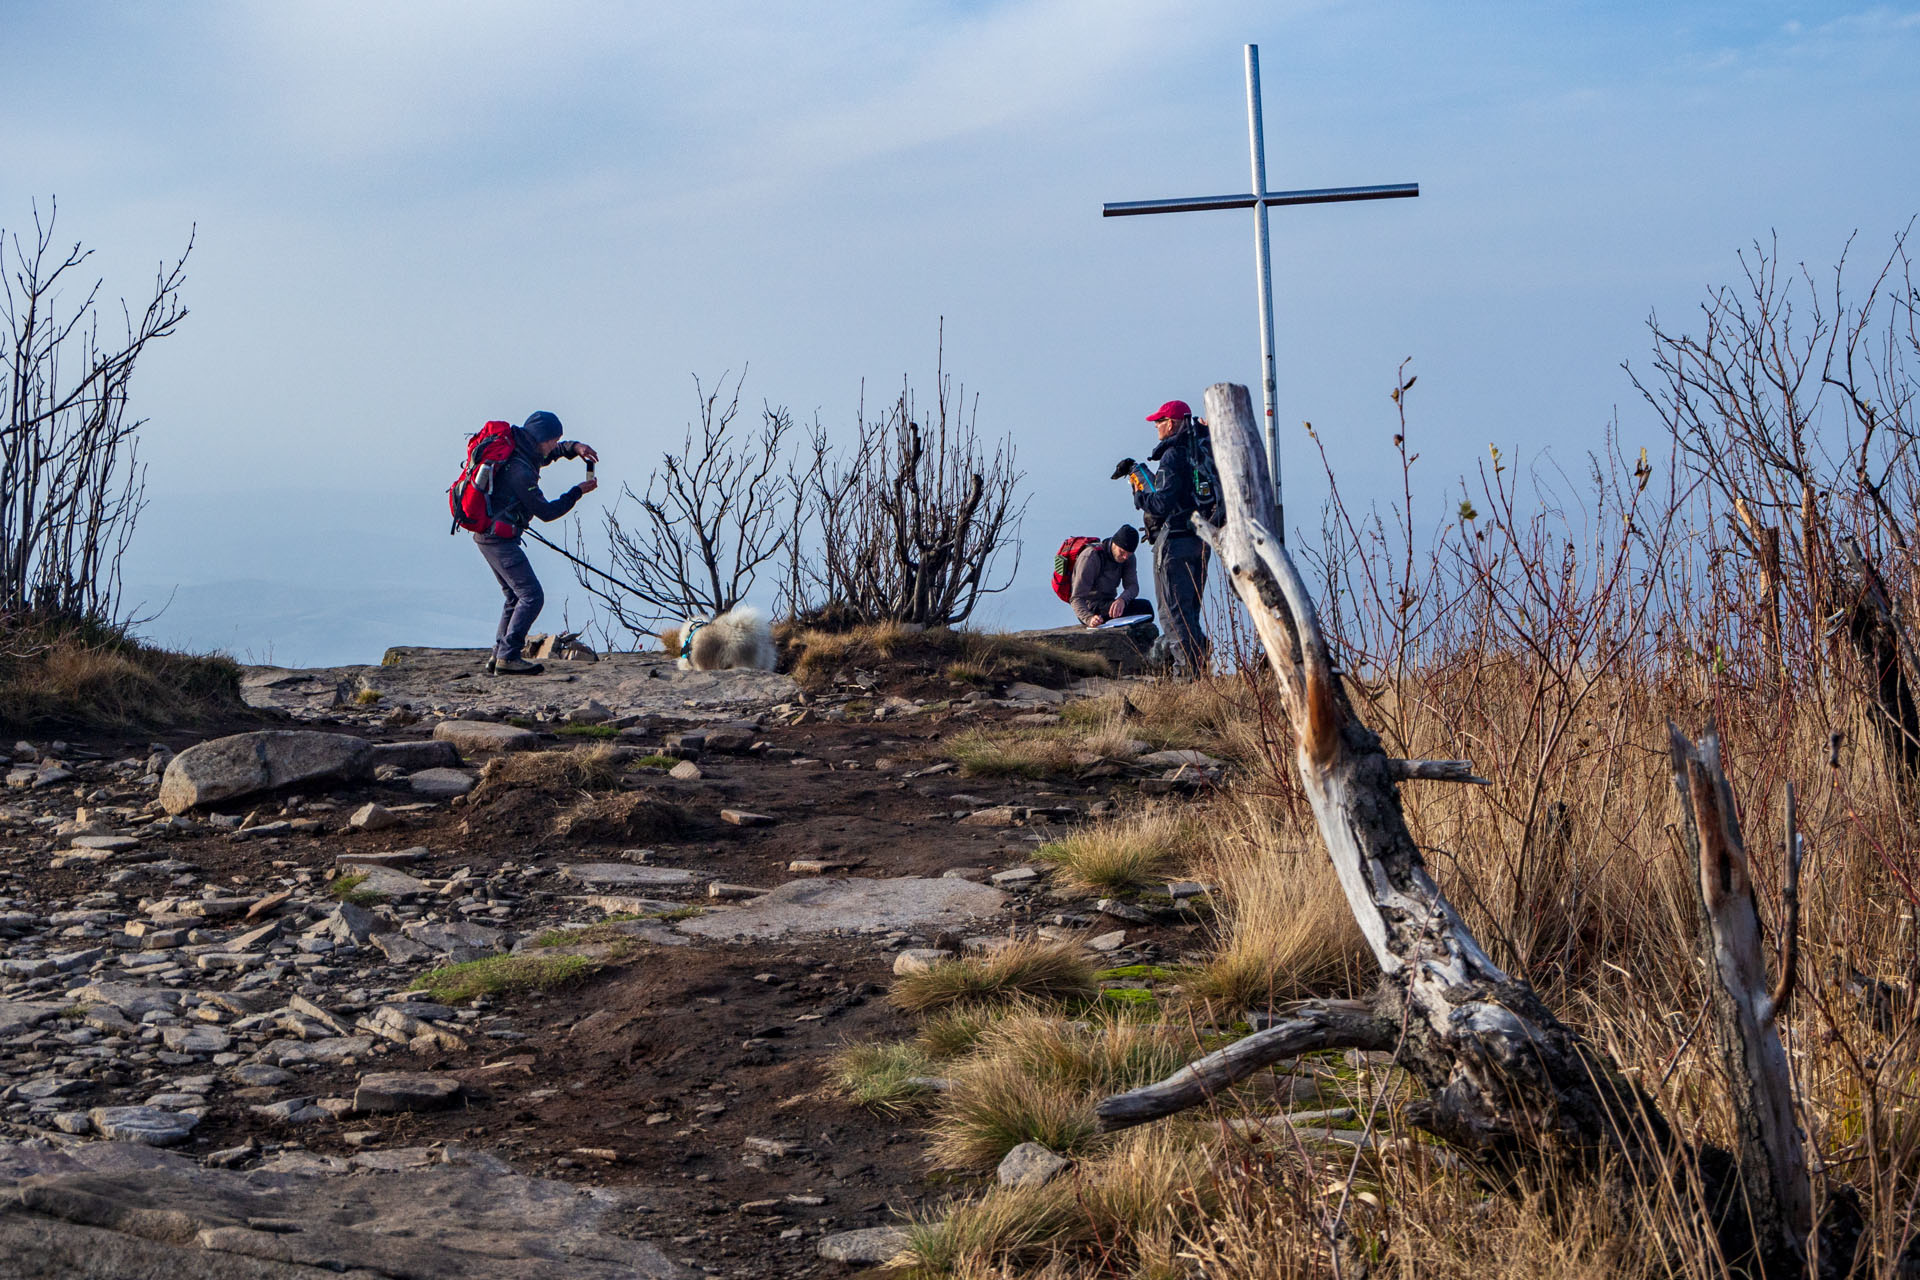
(1315, 195)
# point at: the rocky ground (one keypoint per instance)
(220, 1057)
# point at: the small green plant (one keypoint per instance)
(456, 983)
(657, 761)
(347, 889)
(587, 731)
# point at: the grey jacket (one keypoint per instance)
(1099, 580)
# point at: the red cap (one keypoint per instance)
(1171, 409)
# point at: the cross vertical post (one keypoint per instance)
(1258, 200)
(1263, 268)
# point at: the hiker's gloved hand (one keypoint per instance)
(1122, 469)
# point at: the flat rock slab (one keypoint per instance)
(483, 737)
(88, 1213)
(243, 764)
(149, 1126)
(389, 883)
(440, 784)
(386, 1091)
(820, 906)
(20, 1015)
(449, 681)
(871, 1246)
(412, 756)
(627, 875)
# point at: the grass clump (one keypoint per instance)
(1287, 931)
(367, 697)
(657, 762)
(1129, 854)
(73, 674)
(1124, 1212)
(983, 753)
(1024, 969)
(595, 768)
(887, 1076)
(492, 975)
(601, 731)
(953, 1032)
(1036, 1078)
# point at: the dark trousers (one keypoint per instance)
(1180, 580)
(521, 588)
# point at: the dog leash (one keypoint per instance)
(553, 546)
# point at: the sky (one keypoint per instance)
(411, 218)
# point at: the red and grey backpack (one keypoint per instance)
(471, 496)
(1063, 564)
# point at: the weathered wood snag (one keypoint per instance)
(1506, 1082)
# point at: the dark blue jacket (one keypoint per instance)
(1169, 504)
(516, 488)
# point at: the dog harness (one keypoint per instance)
(686, 641)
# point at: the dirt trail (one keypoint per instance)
(689, 1073)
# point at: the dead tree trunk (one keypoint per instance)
(1772, 1165)
(1505, 1079)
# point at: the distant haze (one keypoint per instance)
(412, 218)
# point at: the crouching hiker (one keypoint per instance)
(1106, 581)
(497, 497)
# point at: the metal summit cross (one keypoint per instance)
(1258, 200)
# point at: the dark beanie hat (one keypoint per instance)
(1128, 539)
(541, 426)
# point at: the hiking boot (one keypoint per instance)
(490, 662)
(516, 667)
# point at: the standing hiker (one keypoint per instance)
(513, 501)
(1106, 582)
(1185, 484)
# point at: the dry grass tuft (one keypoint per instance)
(886, 1076)
(1130, 853)
(1286, 930)
(80, 675)
(595, 768)
(1025, 969)
(1030, 753)
(1033, 1077)
(979, 657)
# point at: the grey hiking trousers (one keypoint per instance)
(1180, 580)
(524, 598)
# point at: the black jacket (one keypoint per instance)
(516, 492)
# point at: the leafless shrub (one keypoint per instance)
(70, 480)
(721, 509)
(917, 516)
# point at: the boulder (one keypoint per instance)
(482, 737)
(1125, 648)
(871, 1246)
(149, 1126)
(245, 763)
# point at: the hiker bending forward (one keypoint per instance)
(1106, 581)
(516, 498)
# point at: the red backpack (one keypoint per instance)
(1063, 564)
(470, 496)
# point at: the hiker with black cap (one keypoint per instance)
(1185, 484)
(515, 501)
(1106, 582)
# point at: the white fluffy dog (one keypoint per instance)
(740, 637)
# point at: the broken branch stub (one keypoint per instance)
(1772, 1164)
